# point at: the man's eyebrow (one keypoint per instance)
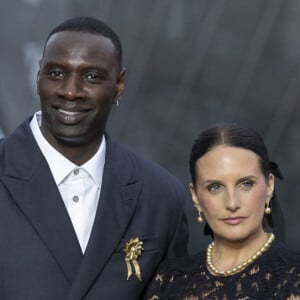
(49, 64)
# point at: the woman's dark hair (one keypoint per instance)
(235, 136)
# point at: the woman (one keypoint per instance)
(233, 189)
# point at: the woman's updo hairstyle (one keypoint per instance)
(235, 136)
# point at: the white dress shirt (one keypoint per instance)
(79, 186)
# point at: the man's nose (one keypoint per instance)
(72, 87)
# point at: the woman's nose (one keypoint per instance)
(232, 200)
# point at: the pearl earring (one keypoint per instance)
(200, 218)
(268, 209)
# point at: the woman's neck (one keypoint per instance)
(228, 255)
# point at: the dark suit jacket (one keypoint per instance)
(40, 257)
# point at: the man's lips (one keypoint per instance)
(233, 220)
(70, 113)
(71, 116)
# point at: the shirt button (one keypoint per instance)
(75, 198)
(76, 172)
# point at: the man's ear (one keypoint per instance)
(38, 78)
(120, 85)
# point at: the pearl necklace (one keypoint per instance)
(241, 266)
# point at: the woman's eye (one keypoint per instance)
(247, 184)
(215, 187)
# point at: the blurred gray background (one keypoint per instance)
(190, 64)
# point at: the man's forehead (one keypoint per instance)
(79, 43)
(76, 36)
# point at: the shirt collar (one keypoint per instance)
(59, 165)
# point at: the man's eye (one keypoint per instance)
(93, 77)
(56, 74)
(215, 187)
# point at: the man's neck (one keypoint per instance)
(76, 153)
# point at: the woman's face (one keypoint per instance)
(232, 192)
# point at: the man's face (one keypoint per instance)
(78, 81)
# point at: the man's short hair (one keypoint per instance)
(90, 25)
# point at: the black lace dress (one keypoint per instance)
(274, 275)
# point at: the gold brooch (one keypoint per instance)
(133, 250)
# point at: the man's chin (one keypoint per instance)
(73, 140)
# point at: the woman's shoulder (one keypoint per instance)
(283, 270)
(172, 275)
(281, 255)
(184, 264)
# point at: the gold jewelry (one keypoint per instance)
(200, 218)
(268, 209)
(241, 266)
(133, 250)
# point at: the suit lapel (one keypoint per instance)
(118, 199)
(30, 182)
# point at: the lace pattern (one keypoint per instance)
(275, 275)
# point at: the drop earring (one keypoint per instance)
(268, 209)
(200, 218)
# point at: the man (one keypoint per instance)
(81, 217)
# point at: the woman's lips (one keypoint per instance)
(233, 221)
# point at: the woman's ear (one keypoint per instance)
(270, 187)
(194, 197)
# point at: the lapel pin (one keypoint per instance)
(133, 250)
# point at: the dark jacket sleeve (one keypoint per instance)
(178, 246)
